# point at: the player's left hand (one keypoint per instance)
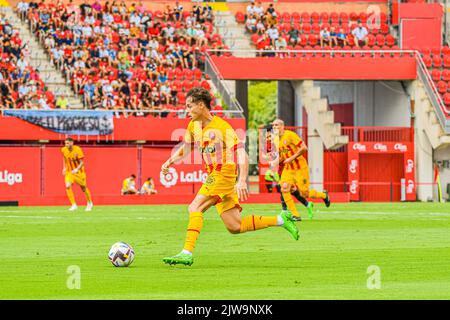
(74, 171)
(241, 190)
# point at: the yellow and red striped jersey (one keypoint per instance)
(72, 158)
(287, 145)
(217, 142)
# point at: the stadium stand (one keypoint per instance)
(20, 84)
(124, 56)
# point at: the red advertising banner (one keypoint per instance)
(20, 171)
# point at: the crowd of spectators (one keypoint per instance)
(271, 30)
(20, 84)
(122, 56)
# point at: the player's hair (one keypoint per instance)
(133, 176)
(149, 178)
(279, 121)
(199, 94)
(69, 139)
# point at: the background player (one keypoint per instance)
(218, 143)
(148, 187)
(295, 175)
(129, 185)
(74, 172)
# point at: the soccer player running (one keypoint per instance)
(218, 144)
(295, 176)
(74, 172)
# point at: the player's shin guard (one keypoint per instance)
(252, 223)
(317, 194)
(193, 231)
(299, 197)
(290, 204)
(70, 196)
(87, 193)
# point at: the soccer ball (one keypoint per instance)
(121, 254)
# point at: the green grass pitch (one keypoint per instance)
(410, 243)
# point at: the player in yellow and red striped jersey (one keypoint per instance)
(295, 175)
(75, 172)
(222, 154)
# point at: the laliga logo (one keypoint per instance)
(170, 179)
(354, 186)
(353, 165)
(400, 147)
(409, 165)
(359, 147)
(10, 178)
(410, 187)
(381, 147)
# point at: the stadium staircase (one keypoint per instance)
(52, 77)
(320, 118)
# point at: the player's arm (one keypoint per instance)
(183, 151)
(64, 167)
(241, 186)
(301, 150)
(74, 171)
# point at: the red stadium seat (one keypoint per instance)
(446, 98)
(334, 16)
(426, 51)
(446, 50)
(324, 17)
(316, 28)
(427, 61)
(170, 74)
(181, 96)
(296, 18)
(442, 87)
(436, 51)
(285, 27)
(313, 39)
(187, 85)
(377, 54)
(383, 17)
(254, 37)
(390, 40)
(436, 75)
(306, 28)
(179, 73)
(286, 17)
(363, 17)
(446, 61)
(240, 17)
(315, 17)
(196, 83)
(303, 40)
(197, 74)
(371, 40)
(343, 17)
(325, 25)
(380, 40)
(445, 75)
(306, 17)
(396, 54)
(353, 16)
(437, 61)
(205, 85)
(384, 28)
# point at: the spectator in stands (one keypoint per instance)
(148, 187)
(260, 26)
(62, 102)
(360, 33)
(325, 36)
(259, 9)
(294, 35)
(129, 185)
(280, 43)
(262, 44)
(251, 9)
(333, 36)
(341, 37)
(273, 34)
(250, 24)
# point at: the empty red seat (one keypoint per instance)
(384, 28)
(187, 85)
(316, 28)
(303, 40)
(446, 61)
(306, 17)
(197, 74)
(437, 61)
(240, 17)
(296, 17)
(427, 61)
(371, 40)
(380, 40)
(306, 27)
(286, 27)
(324, 17)
(436, 75)
(445, 74)
(188, 74)
(396, 48)
(363, 17)
(446, 98)
(377, 54)
(326, 25)
(286, 17)
(343, 17)
(426, 51)
(196, 83)
(442, 87)
(313, 39)
(334, 16)
(436, 51)
(353, 16)
(390, 40)
(446, 50)
(315, 17)
(170, 74)
(205, 85)
(383, 17)
(181, 96)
